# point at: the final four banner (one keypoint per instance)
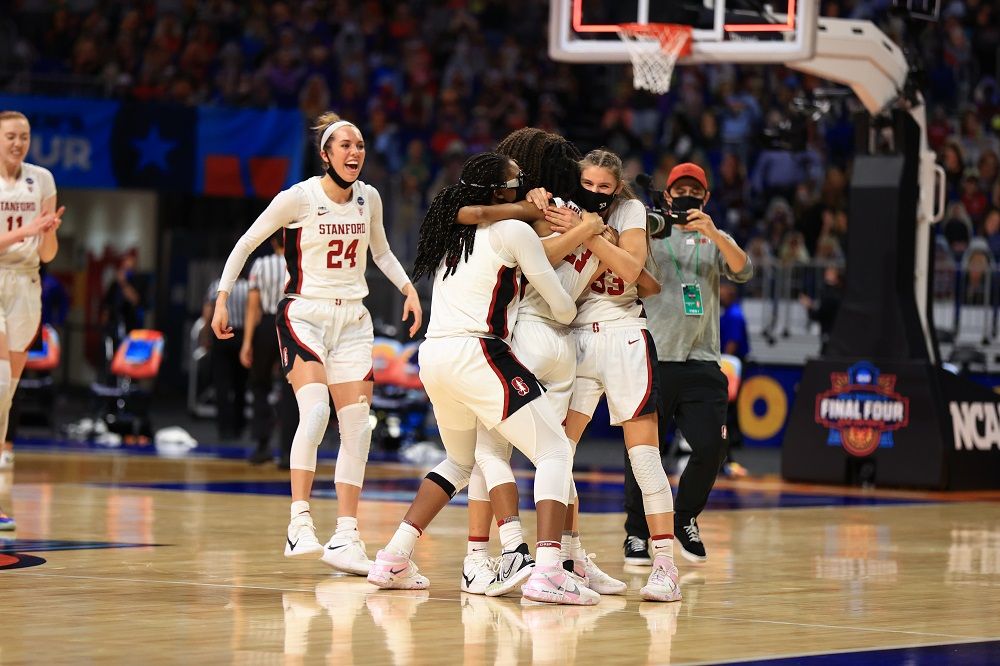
(208, 150)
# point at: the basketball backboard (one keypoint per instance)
(747, 31)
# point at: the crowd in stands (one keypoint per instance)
(431, 81)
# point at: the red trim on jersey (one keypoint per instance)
(649, 378)
(293, 260)
(503, 294)
(503, 380)
(370, 377)
(291, 331)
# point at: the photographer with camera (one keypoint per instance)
(684, 322)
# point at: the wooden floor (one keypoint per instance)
(781, 582)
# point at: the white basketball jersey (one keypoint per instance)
(609, 298)
(327, 249)
(481, 297)
(20, 203)
(572, 271)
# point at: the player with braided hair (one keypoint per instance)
(548, 349)
(440, 238)
(472, 378)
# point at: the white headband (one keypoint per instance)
(333, 128)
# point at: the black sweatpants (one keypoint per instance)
(693, 394)
(230, 379)
(262, 371)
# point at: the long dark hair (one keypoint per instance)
(547, 160)
(441, 237)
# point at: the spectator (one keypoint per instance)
(123, 307)
(953, 161)
(824, 308)
(735, 341)
(991, 231)
(989, 170)
(977, 264)
(973, 199)
(228, 374)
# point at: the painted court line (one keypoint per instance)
(824, 653)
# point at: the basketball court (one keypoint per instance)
(130, 558)
(142, 560)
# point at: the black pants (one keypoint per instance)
(262, 370)
(230, 379)
(694, 394)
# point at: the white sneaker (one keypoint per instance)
(395, 572)
(7, 459)
(510, 570)
(345, 551)
(599, 581)
(477, 572)
(662, 584)
(302, 541)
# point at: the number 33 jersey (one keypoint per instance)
(609, 298)
(20, 203)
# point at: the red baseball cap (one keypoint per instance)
(687, 170)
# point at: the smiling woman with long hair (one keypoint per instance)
(325, 332)
(28, 223)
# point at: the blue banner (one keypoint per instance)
(764, 402)
(69, 137)
(207, 150)
(248, 153)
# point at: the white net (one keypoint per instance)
(654, 50)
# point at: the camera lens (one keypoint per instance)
(658, 225)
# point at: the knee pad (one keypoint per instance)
(314, 415)
(493, 459)
(450, 475)
(355, 442)
(534, 430)
(478, 492)
(648, 470)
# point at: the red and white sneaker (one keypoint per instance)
(555, 585)
(662, 584)
(395, 572)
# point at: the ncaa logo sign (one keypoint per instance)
(520, 386)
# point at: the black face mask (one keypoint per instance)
(684, 204)
(341, 183)
(520, 192)
(594, 202)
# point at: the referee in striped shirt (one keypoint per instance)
(259, 353)
(229, 377)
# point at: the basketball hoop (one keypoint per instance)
(653, 66)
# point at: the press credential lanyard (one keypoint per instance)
(691, 291)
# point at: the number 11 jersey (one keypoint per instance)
(20, 203)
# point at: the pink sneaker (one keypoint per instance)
(662, 584)
(395, 572)
(555, 585)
